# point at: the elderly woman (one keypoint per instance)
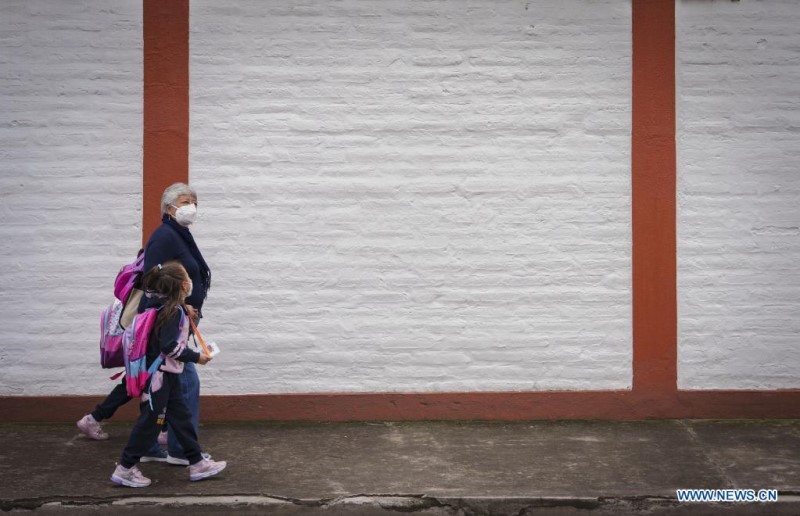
(172, 240)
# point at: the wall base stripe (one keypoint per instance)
(517, 406)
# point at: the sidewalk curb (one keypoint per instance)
(789, 503)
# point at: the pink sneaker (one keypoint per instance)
(162, 438)
(92, 428)
(205, 468)
(130, 477)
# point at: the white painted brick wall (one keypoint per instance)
(414, 195)
(739, 208)
(404, 196)
(70, 184)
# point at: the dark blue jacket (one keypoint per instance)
(165, 339)
(166, 244)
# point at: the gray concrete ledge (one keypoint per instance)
(464, 468)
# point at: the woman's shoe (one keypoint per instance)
(205, 468)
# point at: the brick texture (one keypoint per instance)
(414, 196)
(739, 216)
(70, 186)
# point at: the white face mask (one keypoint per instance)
(191, 286)
(186, 215)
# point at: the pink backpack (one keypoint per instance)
(134, 347)
(128, 277)
(134, 350)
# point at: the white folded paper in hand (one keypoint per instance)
(213, 349)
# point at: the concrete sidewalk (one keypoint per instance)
(543, 467)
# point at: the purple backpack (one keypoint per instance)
(111, 336)
(111, 328)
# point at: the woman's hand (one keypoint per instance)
(204, 358)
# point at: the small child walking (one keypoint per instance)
(170, 284)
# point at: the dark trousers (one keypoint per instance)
(190, 386)
(169, 398)
(115, 399)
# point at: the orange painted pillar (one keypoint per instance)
(653, 164)
(166, 104)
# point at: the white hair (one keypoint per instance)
(172, 193)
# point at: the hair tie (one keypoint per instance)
(159, 266)
(152, 294)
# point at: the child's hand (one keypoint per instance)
(191, 312)
(204, 358)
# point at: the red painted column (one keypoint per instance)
(166, 103)
(653, 164)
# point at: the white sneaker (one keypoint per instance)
(130, 477)
(92, 428)
(184, 462)
(205, 468)
(159, 455)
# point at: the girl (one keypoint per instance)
(169, 284)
